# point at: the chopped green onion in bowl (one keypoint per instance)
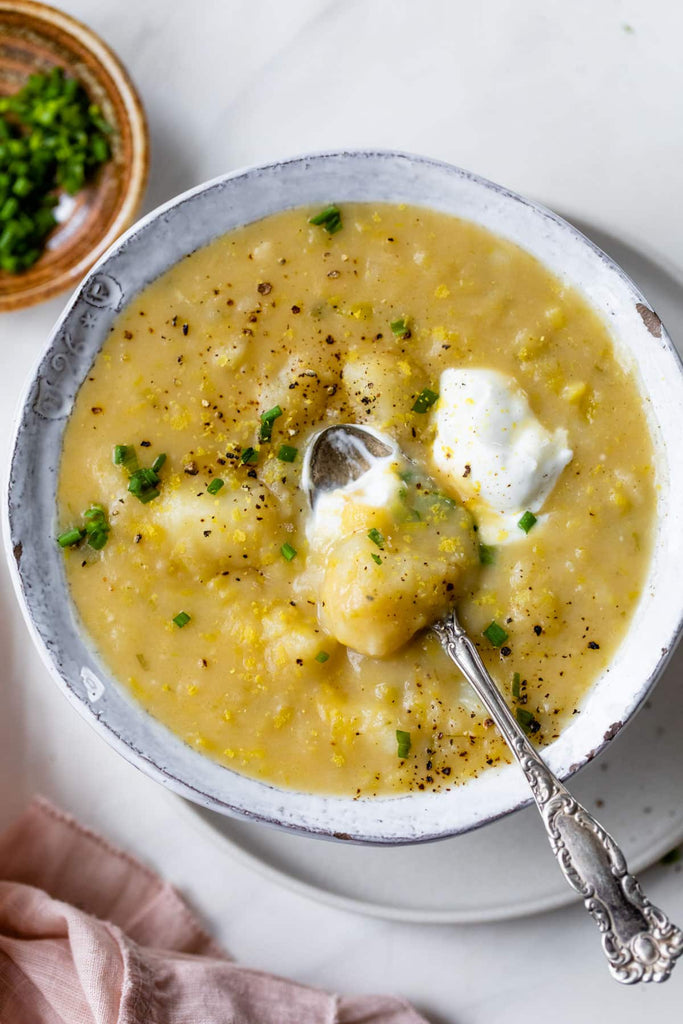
(288, 552)
(403, 743)
(425, 400)
(329, 218)
(287, 453)
(495, 634)
(52, 137)
(527, 521)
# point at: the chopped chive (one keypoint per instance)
(249, 457)
(50, 138)
(288, 552)
(495, 634)
(413, 516)
(181, 619)
(487, 554)
(143, 661)
(158, 462)
(516, 684)
(400, 328)
(376, 558)
(215, 486)
(527, 521)
(143, 484)
(329, 218)
(96, 529)
(403, 741)
(322, 657)
(287, 453)
(70, 537)
(148, 496)
(126, 456)
(527, 720)
(425, 400)
(95, 518)
(267, 420)
(407, 475)
(376, 538)
(98, 538)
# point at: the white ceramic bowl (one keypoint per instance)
(146, 251)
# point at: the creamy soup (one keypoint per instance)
(513, 479)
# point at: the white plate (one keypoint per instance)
(506, 869)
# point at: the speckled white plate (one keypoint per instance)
(505, 869)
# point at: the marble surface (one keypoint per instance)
(575, 105)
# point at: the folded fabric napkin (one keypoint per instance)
(90, 936)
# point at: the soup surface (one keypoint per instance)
(290, 646)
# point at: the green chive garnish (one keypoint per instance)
(96, 527)
(322, 657)
(527, 720)
(287, 453)
(126, 456)
(267, 420)
(249, 457)
(215, 486)
(143, 481)
(181, 619)
(400, 328)
(148, 496)
(70, 537)
(143, 484)
(527, 521)
(425, 400)
(288, 552)
(487, 554)
(329, 218)
(403, 740)
(52, 137)
(376, 558)
(495, 634)
(516, 684)
(376, 538)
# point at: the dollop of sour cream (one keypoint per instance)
(493, 451)
(336, 511)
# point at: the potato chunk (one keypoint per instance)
(374, 599)
(233, 529)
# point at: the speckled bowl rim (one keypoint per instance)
(29, 518)
(139, 163)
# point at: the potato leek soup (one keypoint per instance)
(511, 475)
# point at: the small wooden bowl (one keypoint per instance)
(36, 38)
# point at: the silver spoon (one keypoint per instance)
(640, 942)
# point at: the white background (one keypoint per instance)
(560, 101)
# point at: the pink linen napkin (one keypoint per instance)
(90, 936)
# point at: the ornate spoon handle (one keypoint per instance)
(640, 942)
